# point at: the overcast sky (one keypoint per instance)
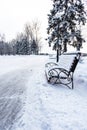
(15, 13)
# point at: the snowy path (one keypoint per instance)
(28, 102)
(12, 90)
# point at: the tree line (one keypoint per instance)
(25, 43)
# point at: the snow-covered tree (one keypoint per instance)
(64, 23)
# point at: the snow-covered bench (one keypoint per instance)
(62, 73)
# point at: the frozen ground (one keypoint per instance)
(28, 102)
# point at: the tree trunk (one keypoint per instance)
(57, 57)
(65, 47)
(78, 47)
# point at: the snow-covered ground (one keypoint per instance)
(28, 102)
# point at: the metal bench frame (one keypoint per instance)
(57, 75)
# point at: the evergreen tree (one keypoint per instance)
(64, 23)
(34, 47)
(25, 46)
(22, 46)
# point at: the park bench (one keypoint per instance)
(62, 72)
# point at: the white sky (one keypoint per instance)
(15, 13)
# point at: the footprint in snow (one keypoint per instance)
(45, 126)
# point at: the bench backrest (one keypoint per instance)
(69, 62)
(65, 61)
(75, 62)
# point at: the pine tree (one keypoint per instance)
(64, 23)
(34, 47)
